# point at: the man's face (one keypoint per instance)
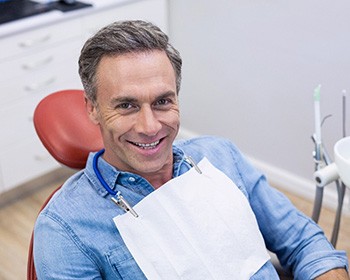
(137, 110)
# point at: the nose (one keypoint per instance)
(147, 122)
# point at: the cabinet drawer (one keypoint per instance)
(39, 39)
(28, 64)
(16, 122)
(16, 119)
(44, 60)
(51, 70)
(27, 88)
(25, 162)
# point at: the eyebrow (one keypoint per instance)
(128, 99)
(166, 94)
(124, 99)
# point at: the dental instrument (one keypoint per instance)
(317, 152)
(326, 172)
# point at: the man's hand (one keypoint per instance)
(334, 274)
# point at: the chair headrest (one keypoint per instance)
(63, 126)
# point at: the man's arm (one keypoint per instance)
(299, 243)
(334, 274)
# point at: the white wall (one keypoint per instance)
(250, 68)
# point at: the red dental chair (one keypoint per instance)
(64, 128)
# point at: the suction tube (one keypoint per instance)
(317, 153)
(326, 175)
(341, 188)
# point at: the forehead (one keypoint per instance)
(135, 65)
(135, 73)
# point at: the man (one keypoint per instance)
(131, 76)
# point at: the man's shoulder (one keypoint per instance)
(66, 194)
(212, 147)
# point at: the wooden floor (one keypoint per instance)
(17, 219)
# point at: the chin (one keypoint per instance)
(152, 166)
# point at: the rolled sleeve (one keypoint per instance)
(317, 263)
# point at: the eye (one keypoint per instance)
(163, 101)
(162, 104)
(125, 106)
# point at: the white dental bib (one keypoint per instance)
(195, 227)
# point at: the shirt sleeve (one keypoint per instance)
(299, 243)
(57, 253)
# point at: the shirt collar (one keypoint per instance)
(113, 176)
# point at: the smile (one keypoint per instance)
(146, 146)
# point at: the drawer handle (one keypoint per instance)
(34, 42)
(37, 86)
(37, 64)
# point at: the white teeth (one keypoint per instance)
(148, 145)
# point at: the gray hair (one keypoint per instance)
(123, 37)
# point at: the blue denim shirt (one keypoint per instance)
(75, 237)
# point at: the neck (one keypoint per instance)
(160, 178)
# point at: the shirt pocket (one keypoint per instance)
(123, 264)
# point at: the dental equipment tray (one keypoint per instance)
(11, 10)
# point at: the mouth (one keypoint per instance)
(146, 146)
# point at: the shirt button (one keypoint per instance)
(132, 179)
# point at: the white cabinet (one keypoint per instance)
(34, 64)
(38, 62)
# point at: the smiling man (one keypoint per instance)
(190, 209)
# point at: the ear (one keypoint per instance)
(92, 111)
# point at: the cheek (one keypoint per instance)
(113, 123)
(175, 114)
(171, 118)
(109, 117)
